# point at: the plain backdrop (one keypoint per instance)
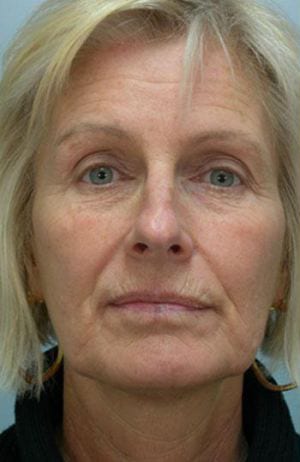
(12, 14)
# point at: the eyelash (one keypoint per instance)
(241, 181)
(225, 170)
(99, 165)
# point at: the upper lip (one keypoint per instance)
(163, 297)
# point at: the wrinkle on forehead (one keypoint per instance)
(142, 64)
(141, 70)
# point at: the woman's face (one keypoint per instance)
(133, 195)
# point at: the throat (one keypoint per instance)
(112, 426)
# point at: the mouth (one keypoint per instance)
(169, 303)
(156, 308)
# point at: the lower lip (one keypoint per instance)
(157, 308)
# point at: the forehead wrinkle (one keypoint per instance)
(191, 140)
(83, 127)
(235, 93)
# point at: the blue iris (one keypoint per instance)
(222, 178)
(101, 175)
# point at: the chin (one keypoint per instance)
(167, 374)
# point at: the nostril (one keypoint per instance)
(140, 247)
(176, 248)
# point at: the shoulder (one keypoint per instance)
(8, 445)
(298, 440)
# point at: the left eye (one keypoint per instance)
(99, 175)
(223, 178)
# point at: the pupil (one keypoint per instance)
(102, 174)
(222, 177)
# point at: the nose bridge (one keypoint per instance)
(158, 205)
(159, 194)
(157, 227)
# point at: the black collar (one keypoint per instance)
(267, 424)
(266, 420)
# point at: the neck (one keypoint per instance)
(113, 425)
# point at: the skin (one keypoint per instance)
(162, 387)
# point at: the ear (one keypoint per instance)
(280, 301)
(33, 277)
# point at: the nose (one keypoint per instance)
(158, 230)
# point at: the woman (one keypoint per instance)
(150, 224)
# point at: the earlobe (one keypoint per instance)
(280, 305)
(280, 302)
(34, 290)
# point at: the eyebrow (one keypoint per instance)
(240, 136)
(85, 127)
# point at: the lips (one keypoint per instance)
(156, 307)
(158, 302)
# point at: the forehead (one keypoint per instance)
(133, 78)
(131, 57)
(156, 62)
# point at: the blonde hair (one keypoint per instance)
(37, 67)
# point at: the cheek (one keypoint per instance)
(246, 253)
(255, 257)
(72, 247)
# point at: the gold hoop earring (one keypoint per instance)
(265, 382)
(49, 373)
(55, 366)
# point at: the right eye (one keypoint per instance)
(99, 175)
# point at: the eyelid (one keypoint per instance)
(210, 162)
(98, 157)
(96, 165)
(238, 179)
(235, 167)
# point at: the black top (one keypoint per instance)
(266, 420)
